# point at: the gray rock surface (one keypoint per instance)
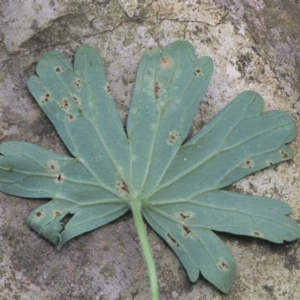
(254, 45)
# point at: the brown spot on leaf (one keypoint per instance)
(122, 186)
(184, 216)
(52, 167)
(57, 213)
(172, 240)
(57, 69)
(38, 214)
(255, 233)
(173, 137)
(46, 99)
(65, 103)
(59, 177)
(166, 62)
(223, 266)
(157, 90)
(70, 116)
(186, 229)
(77, 84)
(76, 100)
(249, 164)
(108, 90)
(284, 155)
(198, 72)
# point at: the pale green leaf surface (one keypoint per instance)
(168, 89)
(176, 185)
(240, 140)
(28, 170)
(79, 105)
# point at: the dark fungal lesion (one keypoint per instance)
(173, 240)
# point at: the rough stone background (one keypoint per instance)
(255, 44)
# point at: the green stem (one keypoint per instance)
(141, 229)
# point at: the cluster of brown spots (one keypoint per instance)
(57, 69)
(166, 62)
(157, 90)
(173, 240)
(76, 100)
(223, 266)
(77, 84)
(65, 104)
(108, 90)
(248, 164)
(284, 154)
(70, 117)
(198, 73)
(186, 230)
(184, 216)
(122, 186)
(173, 136)
(46, 99)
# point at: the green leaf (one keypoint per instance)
(168, 90)
(150, 168)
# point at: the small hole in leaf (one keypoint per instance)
(65, 220)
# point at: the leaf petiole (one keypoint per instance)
(142, 233)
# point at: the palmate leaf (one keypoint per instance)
(175, 185)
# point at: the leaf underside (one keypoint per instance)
(179, 185)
